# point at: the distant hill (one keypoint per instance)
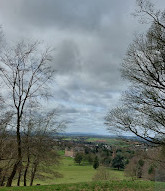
(79, 134)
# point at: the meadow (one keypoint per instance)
(122, 185)
(109, 141)
(79, 178)
(106, 140)
(74, 173)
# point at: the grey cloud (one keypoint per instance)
(68, 110)
(67, 58)
(91, 38)
(83, 14)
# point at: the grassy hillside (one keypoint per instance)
(73, 173)
(96, 186)
(109, 141)
(79, 178)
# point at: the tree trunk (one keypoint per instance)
(19, 176)
(19, 150)
(33, 174)
(2, 181)
(32, 178)
(10, 179)
(28, 157)
(26, 170)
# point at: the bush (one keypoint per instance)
(96, 163)
(101, 174)
(78, 158)
(118, 162)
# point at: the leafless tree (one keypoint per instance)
(149, 165)
(43, 150)
(25, 72)
(7, 146)
(101, 174)
(38, 142)
(143, 109)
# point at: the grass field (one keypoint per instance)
(73, 173)
(79, 178)
(96, 186)
(109, 141)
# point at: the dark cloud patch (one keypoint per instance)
(67, 59)
(67, 110)
(84, 14)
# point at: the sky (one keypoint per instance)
(90, 38)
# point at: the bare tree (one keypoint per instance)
(38, 142)
(101, 174)
(7, 146)
(143, 110)
(25, 72)
(43, 151)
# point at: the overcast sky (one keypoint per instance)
(90, 38)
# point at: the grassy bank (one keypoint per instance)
(79, 178)
(73, 173)
(96, 186)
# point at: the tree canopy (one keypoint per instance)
(143, 109)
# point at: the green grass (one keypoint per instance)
(61, 152)
(95, 186)
(79, 178)
(73, 173)
(109, 141)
